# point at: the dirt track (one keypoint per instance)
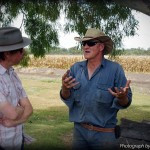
(141, 80)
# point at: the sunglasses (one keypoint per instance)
(89, 43)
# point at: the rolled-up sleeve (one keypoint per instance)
(68, 101)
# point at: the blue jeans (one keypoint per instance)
(93, 140)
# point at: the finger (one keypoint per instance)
(65, 75)
(116, 89)
(69, 80)
(70, 83)
(110, 90)
(68, 72)
(114, 93)
(122, 90)
(74, 84)
(128, 83)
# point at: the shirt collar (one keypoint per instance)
(103, 62)
(4, 70)
(84, 63)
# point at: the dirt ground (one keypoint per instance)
(141, 80)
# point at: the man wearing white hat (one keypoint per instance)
(95, 90)
(15, 107)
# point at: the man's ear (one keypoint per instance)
(102, 46)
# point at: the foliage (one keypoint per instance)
(24, 62)
(136, 51)
(41, 20)
(118, 52)
(110, 17)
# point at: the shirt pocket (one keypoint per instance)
(103, 96)
(19, 89)
(6, 90)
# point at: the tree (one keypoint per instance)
(139, 5)
(40, 20)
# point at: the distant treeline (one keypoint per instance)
(134, 51)
(76, 51)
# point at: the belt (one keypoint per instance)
(95, 128)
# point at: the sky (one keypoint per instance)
(140, 40)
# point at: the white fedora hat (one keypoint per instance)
(11, 39)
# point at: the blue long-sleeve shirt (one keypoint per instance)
(90, 101)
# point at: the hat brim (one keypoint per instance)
(108, 46)
(105, 39)
(101, 38)
(24, 43)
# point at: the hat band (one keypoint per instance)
(89, 37)
(6, 44)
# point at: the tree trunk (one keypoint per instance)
(139, 5)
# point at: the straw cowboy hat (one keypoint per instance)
(94, 33)
(11, 39)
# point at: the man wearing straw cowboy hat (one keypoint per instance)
(94, 90)
(15, 107)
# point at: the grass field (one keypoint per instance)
(49, 123)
